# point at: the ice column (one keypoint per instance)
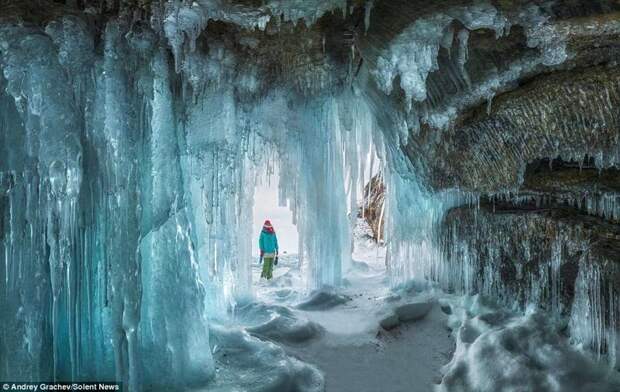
(168, 260)
(99, 276)
(46, 183)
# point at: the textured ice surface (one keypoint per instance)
(323, 299)
(244, 363)
(94, 197)
(125, 202)
(294, 11)
(184, 22)
(277, 323)
(497, 350)
(412, 55)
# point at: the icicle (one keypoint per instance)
(367, 12)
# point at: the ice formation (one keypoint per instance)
(499, 350)
(130, 194)
(414, 53)
(184, 22)
(129, 161)
(247, 363)
(538, 276)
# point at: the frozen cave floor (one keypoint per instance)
(349, 347)
(332, 339)
(365, 337)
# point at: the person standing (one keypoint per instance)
(268, 245)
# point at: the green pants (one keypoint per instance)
(267, 268)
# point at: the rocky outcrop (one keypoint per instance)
(493, 89)
(373, 207)
(569, 114)
(556, 258)
(520, 116)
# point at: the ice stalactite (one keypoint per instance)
(120, 206)
(218, 174)
(315, 160)
(360, 140)
(423, 58)
(414, 53)
(595, 313)
(605, 205)
(411, 210)
(182, 26)
(187, 18)
(409, 231)
(322, 209)
(413, 56)
(367, 14)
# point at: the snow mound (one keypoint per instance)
(245, 363)
(405, 312)
(284, 294)
(277, 323)
(286, 285)
(323, 299)
(389, 322)
(413, 311)
(500, 351)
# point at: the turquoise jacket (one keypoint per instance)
(268, 242)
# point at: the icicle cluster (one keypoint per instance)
(184, 22)
(127, 195)
(509, 257)
(413, 54)
(95, 223)
(321, 148)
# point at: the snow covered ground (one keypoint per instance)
(339, 330)
(365, 337)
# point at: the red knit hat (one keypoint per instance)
(267, 227)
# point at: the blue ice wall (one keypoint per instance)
(126, 198)
(99, 276)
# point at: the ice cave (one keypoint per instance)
(443, 176)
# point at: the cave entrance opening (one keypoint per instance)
(360, 194)
(309, 161)
(267, 206)
(270, 205)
